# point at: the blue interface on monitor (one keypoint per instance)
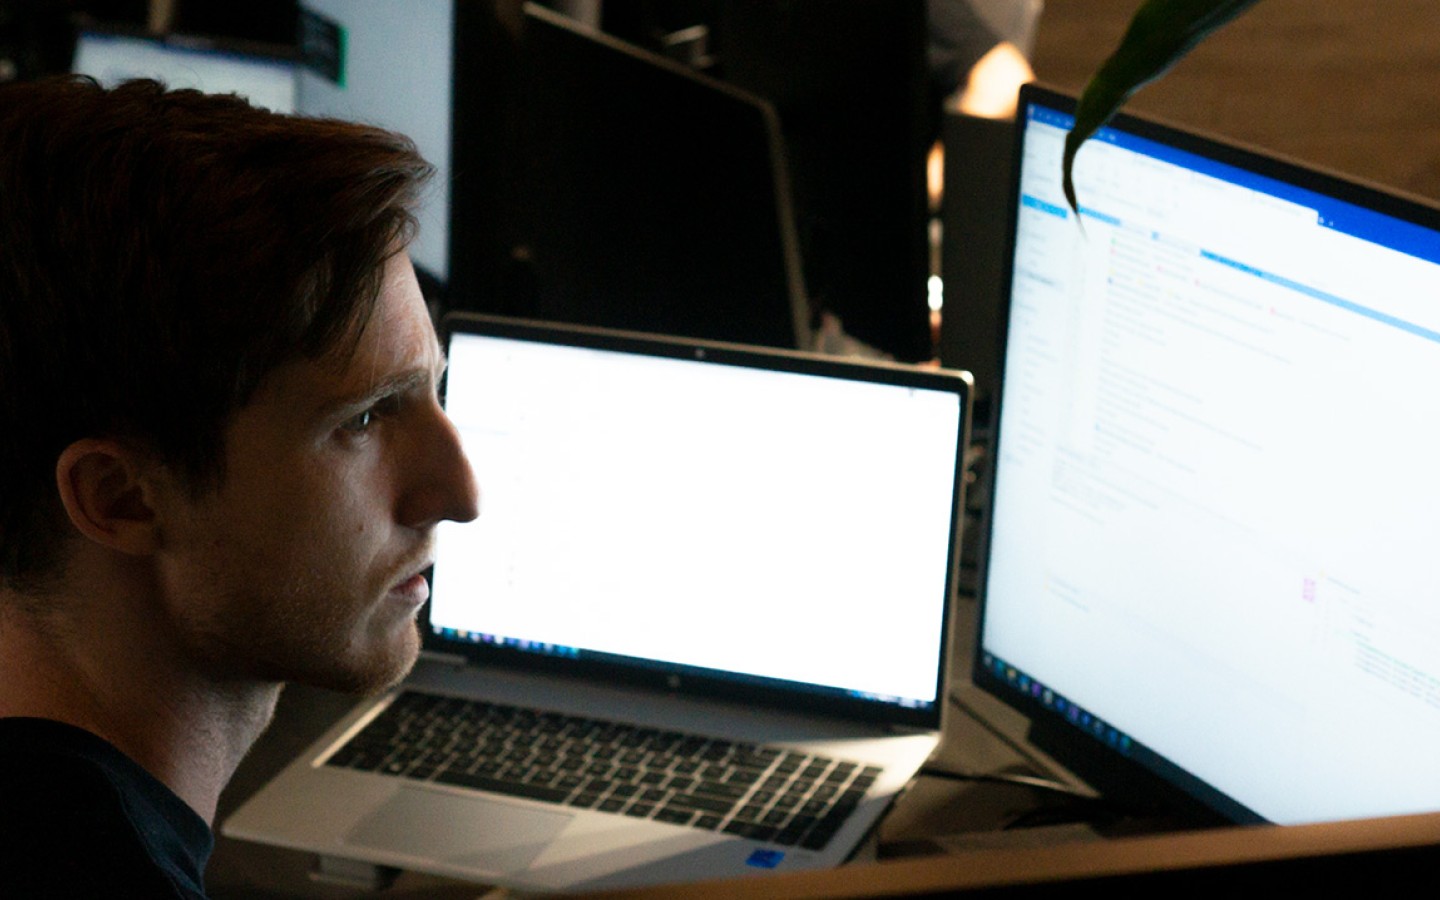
(1215, 507)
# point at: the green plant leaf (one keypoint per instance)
(1160, 34)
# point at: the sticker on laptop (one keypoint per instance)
(765, 859)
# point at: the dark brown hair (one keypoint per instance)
(160, 253)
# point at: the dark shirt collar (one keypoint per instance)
(176, 837)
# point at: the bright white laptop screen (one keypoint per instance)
(111, 58)
(761, 524)
(1217, 497)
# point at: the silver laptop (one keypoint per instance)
(699, 630)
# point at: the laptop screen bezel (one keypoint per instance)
(693, 681)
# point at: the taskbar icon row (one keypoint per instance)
(1071, 712)
(495, 640)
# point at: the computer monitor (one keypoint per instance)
(1210, 564)
(263, 74)
(974, 249)
(851, 87)
(601, 184)
(389, 64)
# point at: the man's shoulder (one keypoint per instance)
(78, 818)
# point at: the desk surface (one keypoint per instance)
(1344, 857)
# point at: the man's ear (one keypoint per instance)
(104, 490)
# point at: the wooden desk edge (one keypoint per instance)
(982, 869)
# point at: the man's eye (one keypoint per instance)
(360, 422)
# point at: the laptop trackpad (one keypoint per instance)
(469, 831)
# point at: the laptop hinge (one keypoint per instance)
(894, 728)
(352, 873)
(449, 659)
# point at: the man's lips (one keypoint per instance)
(414, 589)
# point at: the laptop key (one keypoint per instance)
(511, 788)
(717, 789)
(744, 776)
(751, 830)
(677, 779)
(825, 829)
(788, 836)
(700, 802)
(681, 783)
(818, 837)
(790, 763)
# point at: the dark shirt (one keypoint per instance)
(80, 819)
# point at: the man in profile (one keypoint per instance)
(221, 458)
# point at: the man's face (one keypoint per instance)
(305, 565)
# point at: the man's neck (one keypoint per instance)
(188, 733)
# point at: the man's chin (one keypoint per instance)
(375, 670)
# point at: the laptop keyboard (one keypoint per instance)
(768, 794)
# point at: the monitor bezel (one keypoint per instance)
(1137, 776)
(282, 56)
(513, 230)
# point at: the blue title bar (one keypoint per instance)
(1347, 218)
(1325, 297)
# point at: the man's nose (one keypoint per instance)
(444, 487)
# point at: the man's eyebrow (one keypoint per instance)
(404, 381)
